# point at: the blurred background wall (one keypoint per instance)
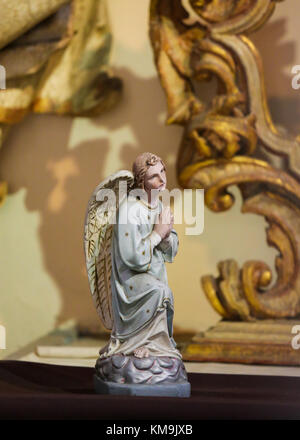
(52, 165)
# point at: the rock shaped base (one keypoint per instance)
(152, 376)
(162, 390)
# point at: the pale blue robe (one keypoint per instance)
(142, 300)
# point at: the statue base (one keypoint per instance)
(167, 390)
(268, 342)
(152, 376)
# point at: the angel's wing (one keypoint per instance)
(98, 238)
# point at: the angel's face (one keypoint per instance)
(155, 178)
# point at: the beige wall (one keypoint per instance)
(52, 164)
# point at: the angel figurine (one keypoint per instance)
(129, 236)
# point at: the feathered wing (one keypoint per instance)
(98, 233)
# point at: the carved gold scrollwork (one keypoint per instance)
(55, 54)
(194, 41)
(275, 195)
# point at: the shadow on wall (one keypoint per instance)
(283, 100)
(59, 181)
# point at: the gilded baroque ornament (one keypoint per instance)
(55, 54)
(230, 139)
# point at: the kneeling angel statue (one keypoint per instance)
(129, 236)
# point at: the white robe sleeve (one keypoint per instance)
(136, 251)
(169, 246)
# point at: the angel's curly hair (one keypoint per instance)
(141, 165)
